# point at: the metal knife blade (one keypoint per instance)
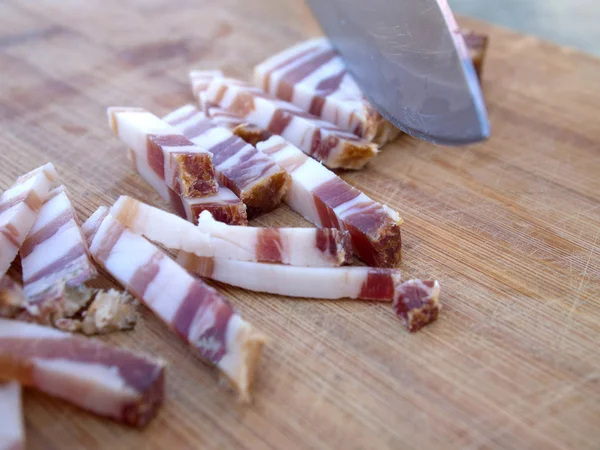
(412, 64)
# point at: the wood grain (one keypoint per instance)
(511, 228)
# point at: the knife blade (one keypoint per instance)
(410, 60)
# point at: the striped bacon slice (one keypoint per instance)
(293, 246)
(365, 283)
(184, 167)
(195, 311)
(324, 141)
(418, 303)
(55, 261)
(12, 427)
(19, 206)
(111, 382)
(250, 174)
(326, 200)
(225, 206)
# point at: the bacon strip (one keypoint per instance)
(192, 309)
(19, 206)
(477, 44)
(328, 143)
(294, 246)
(312, 76)
(254, 177)
(55, 259)
(184, 167)
(364, 283)
(418, 303)
(12, 428)
(110, 382)
(225, 206)
(326, 200)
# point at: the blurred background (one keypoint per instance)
(575, 23)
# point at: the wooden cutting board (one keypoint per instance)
(511, 228)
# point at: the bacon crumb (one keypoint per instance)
(417, 303)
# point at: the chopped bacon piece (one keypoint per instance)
(19, 206)
(312, 76)
(195, 311)
(250, 174)
(418, 303)
(294, 246)
(109, 311)
(328, 143)
(326, 200)
(184, 167)
(55, 260)
(477, 45)
(225, 206)
(108, 381)
(200, 80)
(12, 298)
(366, 283)
(12, 428)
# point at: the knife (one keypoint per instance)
(410, 60)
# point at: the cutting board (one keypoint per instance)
(511, 228)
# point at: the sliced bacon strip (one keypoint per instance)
(293, 246)
(326, 200)
(19, 206)
(328, 143)
(55, 259)
(225, 206)
(108, 381)
(12, 298)
(366, 283)
(195, 311)
(477, 44)
(12, 427)
(184, 167)
(418, 303)
(250, 174)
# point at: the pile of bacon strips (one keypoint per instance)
(239, 153)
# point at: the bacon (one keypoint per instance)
(12, 428)
(250, 174)
(477, 44)
(417, 303)
(200, 80)
(366, 283)
(184, 167)
(328, 143)
(293, 246)
(111, 382)
(19, 206)
(326, 200)
(195, 311)
(224, 205)
(312, 76)
(12, 298)
(55, 259)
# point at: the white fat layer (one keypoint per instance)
(51, 250)
(133, 128)
(18, 329)
(150, 177)
(168, 229)
(50, 210)
(21, 219)
(311, 282)
(212, 137)
(192, 149)
(179, 113)
(233, 361)
(130, 253)
(311, 174)
(223, 195)
(12, 430)
(168, 289)
(94, 387)
(280, 72)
